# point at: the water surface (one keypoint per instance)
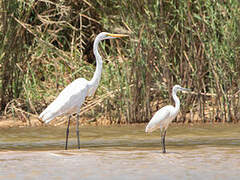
(121, 152)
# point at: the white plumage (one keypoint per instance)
(163, 117)
(70, 100)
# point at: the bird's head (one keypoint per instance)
(177, 88)
(106, 35)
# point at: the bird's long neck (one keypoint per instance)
(176, 99)
(97, 74)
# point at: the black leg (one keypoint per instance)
(163, 141)
(77, 131)
(67, 132)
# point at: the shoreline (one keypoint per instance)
(62, 122)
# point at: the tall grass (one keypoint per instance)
(191, 43)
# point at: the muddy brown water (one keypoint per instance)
(121, 152)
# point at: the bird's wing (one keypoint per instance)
(68, 101)
(159, 119)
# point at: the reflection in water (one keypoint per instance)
(124, 152)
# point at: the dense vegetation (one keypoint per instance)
(46, 44)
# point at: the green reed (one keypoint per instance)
(191, 43)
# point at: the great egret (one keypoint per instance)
(70, 100)
(163, 117)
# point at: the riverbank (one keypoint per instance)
(9, 122)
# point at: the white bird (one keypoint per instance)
(70, 100)
(163, 117)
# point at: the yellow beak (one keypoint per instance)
(117, 35)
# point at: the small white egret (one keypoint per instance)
(163, 117)
(70, 100)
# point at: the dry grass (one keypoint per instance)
(48, 44)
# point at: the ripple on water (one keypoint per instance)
(122, 163)
(121, 153)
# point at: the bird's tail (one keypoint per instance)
(150, 128)
(147, 129)
(48, 115)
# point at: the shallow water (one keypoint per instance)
(121, 152)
